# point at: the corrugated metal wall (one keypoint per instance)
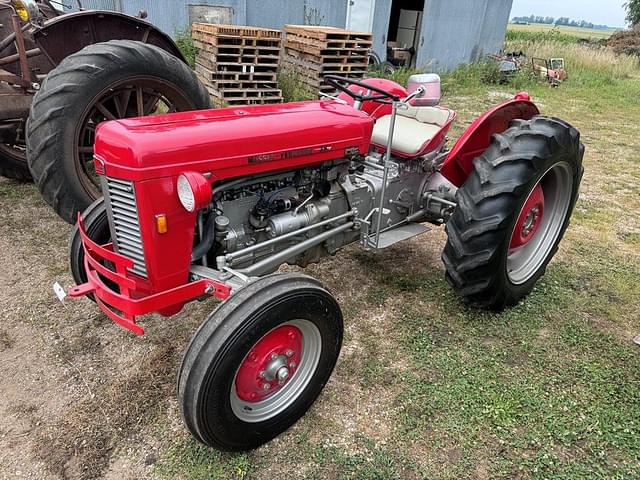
(461, 31)
(453, 31)
(172, 15)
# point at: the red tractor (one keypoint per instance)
(211, 203)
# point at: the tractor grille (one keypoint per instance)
(125, 224)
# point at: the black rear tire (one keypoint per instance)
(99, 82)
(13, 164)
(490, 202)
(207, 376)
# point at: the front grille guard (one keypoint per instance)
(122, 307)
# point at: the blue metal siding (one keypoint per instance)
(461, 31)
(453, 31)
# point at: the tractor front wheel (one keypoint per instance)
(96, 224)
(104, 81)
(259, 361)
(513, 211)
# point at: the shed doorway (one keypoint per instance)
(404, 36)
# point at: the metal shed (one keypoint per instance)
(444, 33)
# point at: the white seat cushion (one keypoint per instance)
(414, 127)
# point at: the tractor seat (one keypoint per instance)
(417, 131)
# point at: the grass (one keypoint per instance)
(184, 41)
(559, 32)
(292, 89)
(590, 67)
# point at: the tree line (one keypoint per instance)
(565, 21)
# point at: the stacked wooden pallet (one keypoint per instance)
(312, 52)
(238, 64)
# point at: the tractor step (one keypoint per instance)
(399, 234)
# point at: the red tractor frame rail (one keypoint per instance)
(122, 307)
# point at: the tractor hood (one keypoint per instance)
(232, 141)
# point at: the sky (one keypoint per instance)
(601, 12)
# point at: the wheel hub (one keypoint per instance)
(270, 364)
(530, 218)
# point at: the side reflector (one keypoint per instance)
(161, 223)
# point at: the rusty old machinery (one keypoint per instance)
(35, 36)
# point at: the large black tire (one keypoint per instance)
(207, 391)
(96, 223)
(65, 111)
(478, 256)
(13, 164)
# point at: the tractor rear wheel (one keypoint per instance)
(13, 162)
(104, 81)
(513, 211)
(259, 361)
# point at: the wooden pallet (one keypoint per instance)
(235, 76)
(245, 93)
(239, 103)
(236, 49)
(326, 59)
(225, 30)
(320, 50)
(244, 59)
(327, 33)
(301, 43)
(324, 69)
(224, 84)
(207, 39)
(312, 80)
(235, 72)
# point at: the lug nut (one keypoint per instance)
(289, 353)
(282, 374)
(274, 356)
(266, 386)
(292, 364)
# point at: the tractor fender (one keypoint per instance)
(476, 139)
(62, 36)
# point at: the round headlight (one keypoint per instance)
(194, 191)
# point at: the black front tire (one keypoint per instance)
(96, 224)
(207, 377)
(83, 91)
(476, 256)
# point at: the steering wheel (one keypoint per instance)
(342, 84)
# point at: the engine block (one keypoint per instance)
(261, 210)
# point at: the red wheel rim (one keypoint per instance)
(529, 219)
(270, 364)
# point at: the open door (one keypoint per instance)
(404, 32)
(360, 15)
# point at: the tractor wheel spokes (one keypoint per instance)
(116, 103)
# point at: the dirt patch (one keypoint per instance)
(81, 443)
(626, 42)
(5, 340)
